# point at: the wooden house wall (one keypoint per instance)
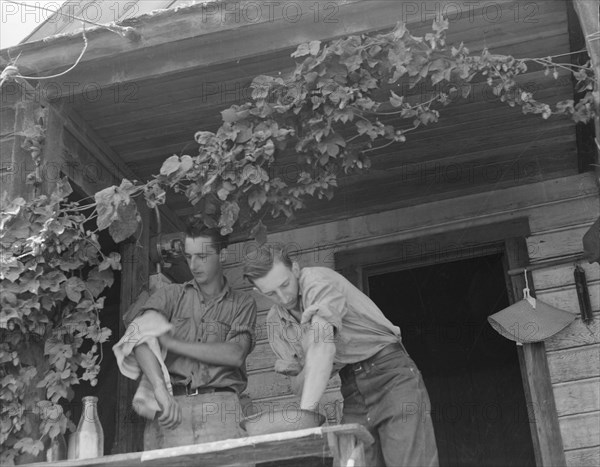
(559, 212)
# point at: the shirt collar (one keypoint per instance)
(219, 298)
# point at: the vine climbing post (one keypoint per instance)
(135, 257)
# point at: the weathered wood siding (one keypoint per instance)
(559, 211)
(574, 353)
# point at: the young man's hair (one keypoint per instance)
(258, 264)
(198, 229)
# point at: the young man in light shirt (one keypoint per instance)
(321, 324)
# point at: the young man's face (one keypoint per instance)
(281, 285)
(203, 259)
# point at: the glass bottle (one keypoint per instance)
(88, 440)
(57, 449)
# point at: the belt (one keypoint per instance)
(360, 366)
(185, 390)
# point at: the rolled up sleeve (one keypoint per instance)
(322, 298)
(162, 301)
(244, 323)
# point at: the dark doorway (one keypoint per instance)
(471, 372)
(109, 371)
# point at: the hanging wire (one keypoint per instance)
(85, 46)
(11, 72)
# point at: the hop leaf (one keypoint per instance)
(171, 165)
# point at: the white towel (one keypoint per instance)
(143, 329)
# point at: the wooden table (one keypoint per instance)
(345, 443)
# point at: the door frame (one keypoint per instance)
(508, 237)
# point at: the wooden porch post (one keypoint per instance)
(134, 279)
(539, 396)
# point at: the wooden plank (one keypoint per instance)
(577, 334)
(569, 212)
(558, 243)
(565, 298)
(471, 239)
(576, 397)
(560, 276)
(231, 452)
(583, 457)
(535, 373)
(360, 200)
(574, 364)
(580, 431)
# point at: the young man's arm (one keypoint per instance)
(233, 352)
(214, 353)
(170, 415)
(324, 307)
(162, 302)
(318, 363)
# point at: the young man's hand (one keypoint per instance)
(170, 411)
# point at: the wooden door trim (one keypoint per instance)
(539, 395)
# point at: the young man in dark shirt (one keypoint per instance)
(213, 334)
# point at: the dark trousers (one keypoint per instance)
(387, 395)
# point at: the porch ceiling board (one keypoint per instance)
(461, 118)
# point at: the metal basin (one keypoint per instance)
(276, 421)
